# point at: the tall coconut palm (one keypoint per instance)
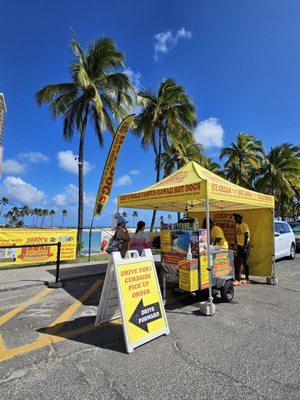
(51, 213)
(12, 217)
(64, 214)
(24, 212)
(45, 213)
(166, 116)
(280, 174)
(98, 92)
(3, 203)
(247, 153)
(38, 213)
(213, 166)
(177, 155)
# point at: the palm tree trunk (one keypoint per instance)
(157, 175)
(62, 221)
(51, 221)
(80, 190)
(178, 214)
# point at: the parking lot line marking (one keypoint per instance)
(6, 317)
(2, 344)
(49, 336)
(66, 315)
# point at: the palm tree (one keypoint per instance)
(24, 212)
(246, 154)
(98, 91)
(3, 203)
(38, 213)
(177, 155)
(213, 167)
(51, 213)
(12, 217)
(166, 116)
(280, 174)
(45, 212)
(64, 214)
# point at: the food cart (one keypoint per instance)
(200, 193)
(184, 261)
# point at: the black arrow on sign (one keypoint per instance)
(142, 315)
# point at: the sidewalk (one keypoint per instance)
(26, 277)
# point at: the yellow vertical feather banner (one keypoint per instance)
(109, 168)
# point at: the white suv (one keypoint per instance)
(285, 243)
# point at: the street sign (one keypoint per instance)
(139, 298)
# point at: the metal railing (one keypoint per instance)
(57, 282)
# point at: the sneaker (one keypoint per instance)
(236, 283)
(245, 281)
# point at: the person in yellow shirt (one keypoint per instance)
(242, 233)
(217, 237)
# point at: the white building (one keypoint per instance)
(3, 111)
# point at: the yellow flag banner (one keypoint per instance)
(109, 169)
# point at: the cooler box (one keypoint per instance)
(188, 275)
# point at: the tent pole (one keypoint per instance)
(209, 259)
(273, 280)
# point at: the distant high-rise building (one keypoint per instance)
(3, 111)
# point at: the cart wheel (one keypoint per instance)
(227, 291)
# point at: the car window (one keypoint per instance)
(296, 228)
(279, 227)
(286, 228)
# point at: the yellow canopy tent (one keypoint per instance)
(197, 191)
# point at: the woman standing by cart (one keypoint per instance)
(140, 240)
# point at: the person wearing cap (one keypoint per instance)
(242, 233)
(217, 237)
(122, 234)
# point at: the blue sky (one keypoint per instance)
(239, 61)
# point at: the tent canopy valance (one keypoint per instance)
(187, 190)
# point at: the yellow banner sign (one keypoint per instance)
(109, 168)
(141, 303)
(42, 237)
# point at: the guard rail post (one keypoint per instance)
(57, 284)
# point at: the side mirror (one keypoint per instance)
(276, 234)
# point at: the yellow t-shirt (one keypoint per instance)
(217, 232)
(240, 230)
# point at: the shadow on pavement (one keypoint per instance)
(82, 330)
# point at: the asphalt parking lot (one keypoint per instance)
(50, 349)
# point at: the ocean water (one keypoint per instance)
(95, 241)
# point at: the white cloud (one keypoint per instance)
(209, 133)
(19, 190)
(135, 77)
(34, 157)
(11, 166)
(124, 181)
(164, 41)
(70, 197)
(134, 172)
(60, 200)
(67, 162)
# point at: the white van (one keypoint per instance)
(285, 243)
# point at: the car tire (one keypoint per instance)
(292, 252)
(227, 292)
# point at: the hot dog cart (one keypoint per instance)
(184, 261)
